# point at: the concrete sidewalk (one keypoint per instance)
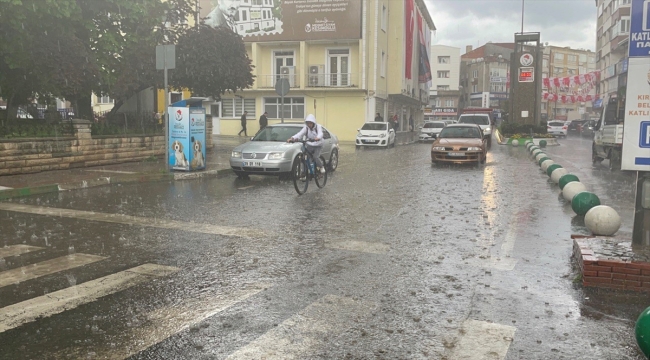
(145, 171)
(155, 170)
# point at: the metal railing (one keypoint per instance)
(322, 80)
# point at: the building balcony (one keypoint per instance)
(622, 10)
(321, 80)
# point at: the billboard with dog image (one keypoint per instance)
(197, 138)
(283, 20)
(179, 138)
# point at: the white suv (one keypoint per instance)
(482, 120)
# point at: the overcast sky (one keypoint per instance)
(475, 22)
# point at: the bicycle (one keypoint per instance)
(303, 170)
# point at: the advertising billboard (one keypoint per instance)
(286, 20)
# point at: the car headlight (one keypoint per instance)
(474, 149)
(382, 135)
(276, 156)
(438, 148)
(487, 131)
(236, 154)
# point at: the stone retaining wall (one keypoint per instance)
(21, 156)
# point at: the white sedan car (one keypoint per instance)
(558, 127)
(376, 134)
(430, 130)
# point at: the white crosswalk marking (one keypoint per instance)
(69, 298)
(5, 188)
(304, 333)
(483, 340)
(132, 220)
(111, 171)
(17, 275)
(13, 250)
(165, 322)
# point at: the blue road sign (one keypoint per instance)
(644, 134)
(640, 29)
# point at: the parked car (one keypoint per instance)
(558, 127)
(481, 119)
(430, 130)
(575, 126)
(375, 134)
(269, 153)
(460, 143)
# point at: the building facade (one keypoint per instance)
(612, 40)
(345, 62)
(484, 75)
(566, 62)
(444, 94)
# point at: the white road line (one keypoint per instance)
(302, 335)
(5, 188)
(132, 220)
(48, 267)
(483, 340)
(165, 322)
(114, 171)
(56, 302)
(246, 187)
(13, 250)
(360, 246)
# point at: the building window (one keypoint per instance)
(443, 74)
(444, 59)
(294, 107)
(234, 108)
(572, 58)
(559, 56)
(592, 59)
(438, 103)
(475, 74)
(625, 25)
(474, 88)
(442, 87)
(449, 103)
(383, 64)
(571, 71)
(558, 71)
(583, 58)
(104, 100)
(384, 17)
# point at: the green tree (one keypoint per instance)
(211, 61)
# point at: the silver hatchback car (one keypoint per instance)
(268, 152)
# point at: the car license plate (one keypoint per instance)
(456, 154)
(252, 163)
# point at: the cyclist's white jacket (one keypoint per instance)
(317, 132)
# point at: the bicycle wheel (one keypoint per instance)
(321, 178)
(299, 174)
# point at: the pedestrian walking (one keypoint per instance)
(411, 122)
(243, 124)
(264, 121)
(395, 122)
(378, 118)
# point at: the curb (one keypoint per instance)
(506, 141)
(113, 180)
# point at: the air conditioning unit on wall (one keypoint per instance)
(288, 72)
(316, 75)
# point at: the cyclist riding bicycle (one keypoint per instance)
(314, 145)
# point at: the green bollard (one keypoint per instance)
(642, 332)
(549, 170)
(542, 143)
(567, 178)
(542, 160)
(583, 202)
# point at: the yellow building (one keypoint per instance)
(345, 62)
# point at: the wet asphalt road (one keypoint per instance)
(394, 259)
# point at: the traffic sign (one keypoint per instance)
(640, 29)
(282, 86)
(636, 127)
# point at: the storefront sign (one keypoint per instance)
(286, 20)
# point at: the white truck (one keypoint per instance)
(608, 133)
